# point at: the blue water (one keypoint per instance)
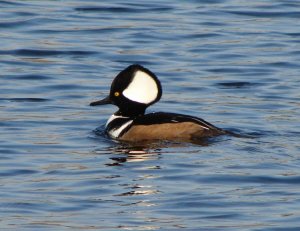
(234, 63)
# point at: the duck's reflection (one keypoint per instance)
(148, 150)
(132, 152)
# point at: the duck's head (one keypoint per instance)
(133, 90)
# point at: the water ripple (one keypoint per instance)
(28, 77)
(16, 24)
(250, 179)
(266, 14)
(24, 99)
(233, 85)
(18, 172)
(14, 3)
(122, 10)
(35, 52)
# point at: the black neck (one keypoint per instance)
(131, 111)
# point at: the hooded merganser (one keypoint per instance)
(133, 90)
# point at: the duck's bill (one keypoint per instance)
(101, 102)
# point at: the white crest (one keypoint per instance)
(142, 89)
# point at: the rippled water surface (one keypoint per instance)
(234, 63)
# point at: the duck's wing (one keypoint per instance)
(163, 117)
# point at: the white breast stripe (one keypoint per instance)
(116, 132)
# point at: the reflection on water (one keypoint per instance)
(127, 152)
(146, 150)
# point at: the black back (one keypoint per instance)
(163, 117)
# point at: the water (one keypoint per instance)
(233, 63)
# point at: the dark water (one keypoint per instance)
(234, 63)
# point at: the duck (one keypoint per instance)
(133, 90)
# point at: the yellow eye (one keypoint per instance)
(117, 94)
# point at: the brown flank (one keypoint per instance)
(168, 131)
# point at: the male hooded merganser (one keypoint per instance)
(133, 90)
